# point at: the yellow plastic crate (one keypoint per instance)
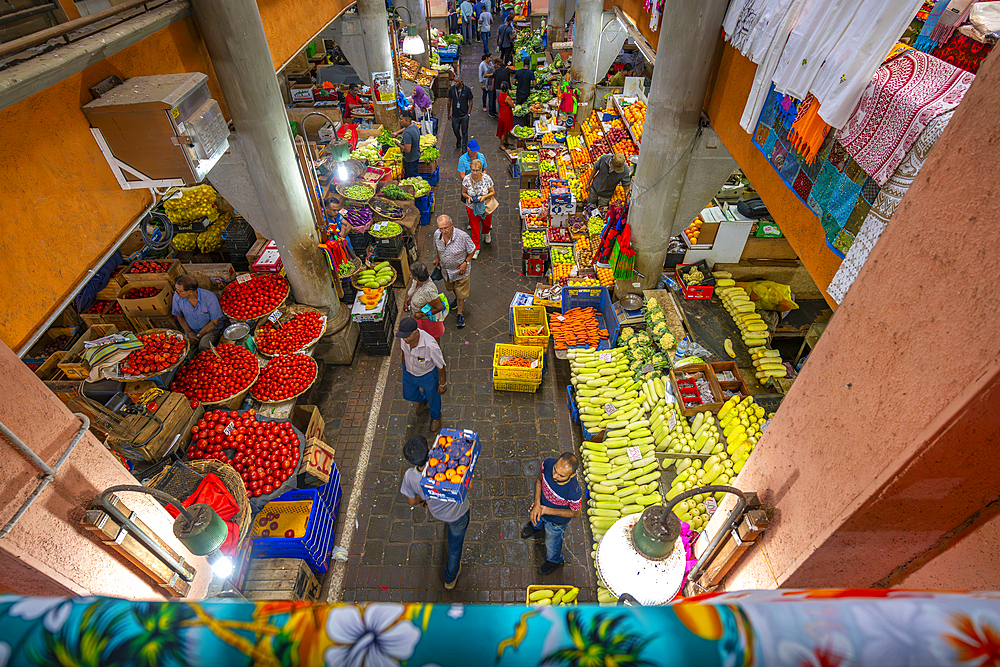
(506, 384)
(555, 588)
(502, 350)
(531, 316)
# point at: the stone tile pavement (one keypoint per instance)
(397, 554)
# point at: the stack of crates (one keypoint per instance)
(377, 335)
(518, 378)
(425, 205)
(239, 237)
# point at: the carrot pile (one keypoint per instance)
(577, 326)
(519, 362)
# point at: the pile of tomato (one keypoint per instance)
(265, 454)
(141, 293)
(291, 336)
(255, 297)
(150, 267)
(209, 378)
(161, 351)
(284, 377)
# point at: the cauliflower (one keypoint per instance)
(667, 341)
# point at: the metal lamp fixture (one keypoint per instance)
(199, 528)
(641, 557)
(413, 44)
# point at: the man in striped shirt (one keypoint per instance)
(557, 500)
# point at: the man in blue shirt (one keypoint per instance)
(558, 498)
(198, 312)
(465, 161)
(467, 10)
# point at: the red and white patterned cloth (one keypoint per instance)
(905, 94)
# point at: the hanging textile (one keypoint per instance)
(905, 94)
(885, 205)
(924, 41)
(963, 52)
(925, 10)
(819, 27)
(957, 12)
(808, 131)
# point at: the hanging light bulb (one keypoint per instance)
(412, 43)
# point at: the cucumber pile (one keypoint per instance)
(560, 596)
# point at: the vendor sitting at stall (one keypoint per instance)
(609, 171)
(352, 101)
(198, 312)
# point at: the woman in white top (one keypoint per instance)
(478, 188)
(423, 292)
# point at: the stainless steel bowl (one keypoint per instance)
(631, 301)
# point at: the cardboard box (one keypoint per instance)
(427, 167)
(367, 133)
(269, 260)
(317, 462)
(211, 276)
(158, 304)
(256, 250)
(307, 419)
(170, 274)
(302, 93)
(450, 491)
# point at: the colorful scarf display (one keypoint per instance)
(924, 42)
(809, 130)
(906, 93)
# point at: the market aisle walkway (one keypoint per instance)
(398, 554)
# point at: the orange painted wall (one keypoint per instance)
(727, 98)
(636, 10)
(62, 207)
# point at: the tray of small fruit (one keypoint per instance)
(284, 378)
(297, 330)
(562, 255)
(252, 299)
(215, 377)
(532, 239)
(559, 236)
(535, 222)
(163, 350)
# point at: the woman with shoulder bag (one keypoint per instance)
(478, 189)
(425, 304)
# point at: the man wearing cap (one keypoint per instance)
(425, 376)
(608, 173)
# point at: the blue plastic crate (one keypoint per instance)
(587, 435)
(315, 546)
(596, 297)
(450, 491)
(332, 491)
(425, 204)
(574, 411)
(432, 179)
(425, 218)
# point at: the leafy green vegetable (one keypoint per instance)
(421, 186)
(429, 154)
(393, 191)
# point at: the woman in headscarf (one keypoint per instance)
(422, 103)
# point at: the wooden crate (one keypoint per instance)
(737, 385)
(50, 369)
(114, 286)
(118, 539)
(73, 364)
(178, 417)
(280, 579)
(35, 352)
(170, 274)
(140, 324)
(64, 389)
(705, 370)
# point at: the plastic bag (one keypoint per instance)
(769, 295)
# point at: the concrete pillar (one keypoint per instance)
(557, 20)
(374, 25)
(235, 38)
(689, 34)
(875, 466)
(586, 46)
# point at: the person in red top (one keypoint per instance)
(352, 100)
(506, 121)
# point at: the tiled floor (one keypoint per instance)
(397, 553)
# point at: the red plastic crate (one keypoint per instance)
(692, 291)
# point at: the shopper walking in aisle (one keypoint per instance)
(409, 144)
(558, 498)
(465, 162)
(427, 306)
(525, 78)
(505, 40)
(459, 106)
(454, 250)
(485, 25)
(422, 103)
(198, 312)
(506, 122)
(609, 171)
(425, 376)
(456, 515)
(477, 11)
(486, 79)
(478, 190)
(466, 10)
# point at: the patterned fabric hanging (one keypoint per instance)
(809, 130)
(622, 256)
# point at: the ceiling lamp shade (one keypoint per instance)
(641, 554)
(412, 44)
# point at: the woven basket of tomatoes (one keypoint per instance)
(299, 328)
(265, 453)
(285, 377)
(253, 299)
(163, 350)
(218, 377)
